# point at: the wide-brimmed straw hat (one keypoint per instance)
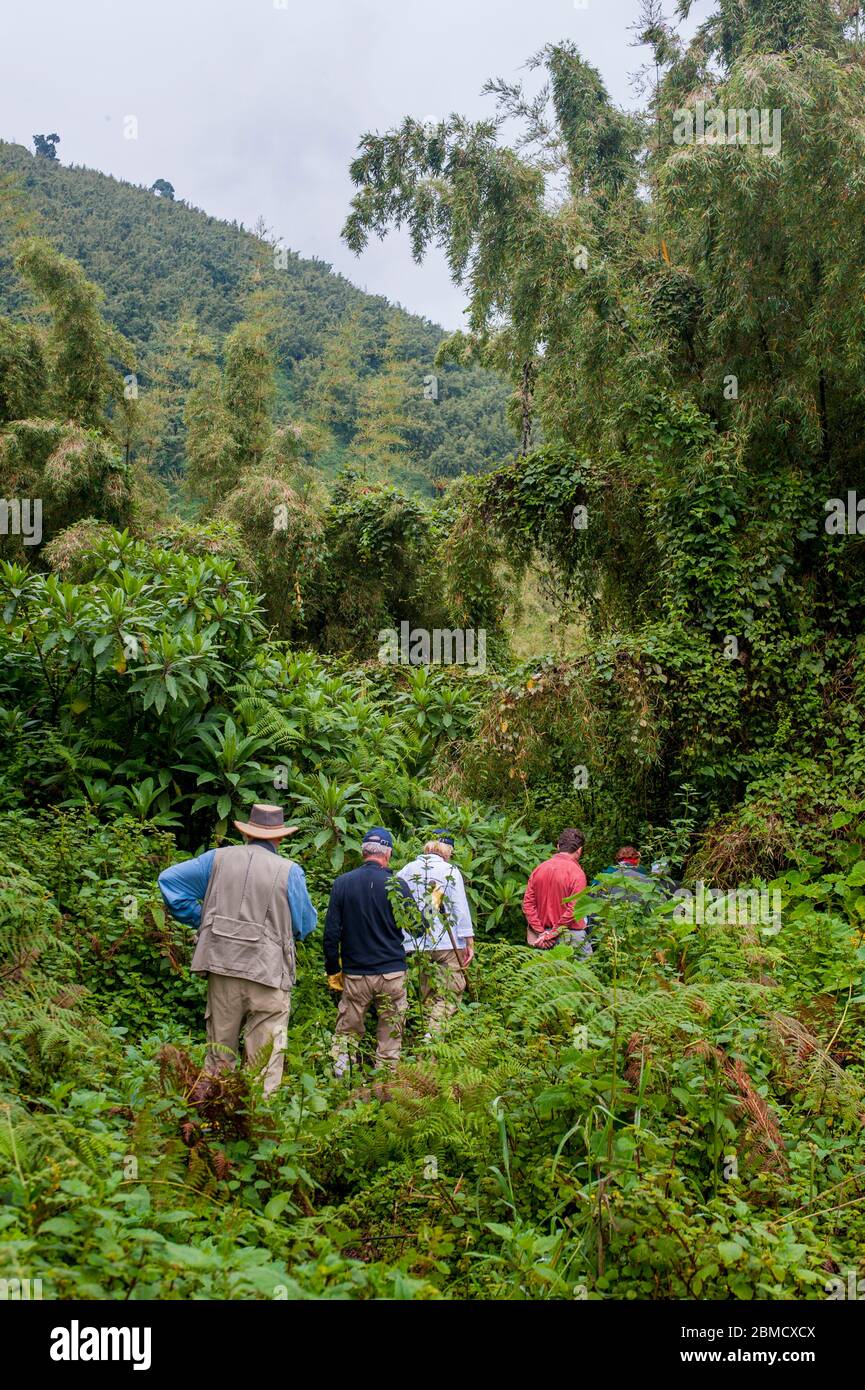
(265, 823)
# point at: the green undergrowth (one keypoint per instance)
(678, 1117)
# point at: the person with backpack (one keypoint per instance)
(364, 954)
(249, 905)
(624, 880)
(447, 944)
(548, 913)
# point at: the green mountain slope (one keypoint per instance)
(160, 261)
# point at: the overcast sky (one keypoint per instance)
(254, 107)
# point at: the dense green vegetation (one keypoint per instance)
(679, 1116)
(698, 385)
(177, 282)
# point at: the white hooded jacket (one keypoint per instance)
(438, 889)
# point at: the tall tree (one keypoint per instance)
(689, 310)
(211, 464)
(248, 391)
(58, 443)
(85, 352)
(380, 443)
(46, 145)
(333, 399)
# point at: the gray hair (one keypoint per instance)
(438, 847)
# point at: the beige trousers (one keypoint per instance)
(259, 1012)
(443, 978)
(391, 1000)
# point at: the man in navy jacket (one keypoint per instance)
(364, 954)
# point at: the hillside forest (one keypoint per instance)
(230, 478)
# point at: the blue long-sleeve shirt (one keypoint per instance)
(183, 887)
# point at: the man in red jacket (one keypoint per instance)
(549, 917)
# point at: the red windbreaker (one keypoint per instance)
(544, 905)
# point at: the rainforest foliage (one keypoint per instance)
(178, 282)
(199, 626)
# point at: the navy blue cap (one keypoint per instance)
(378, 836)
(444, 837)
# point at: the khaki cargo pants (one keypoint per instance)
(443, 978)
(259, 1012)
(391, 1001)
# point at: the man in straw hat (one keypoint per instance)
(248, 904)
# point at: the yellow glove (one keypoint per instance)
(336, 981)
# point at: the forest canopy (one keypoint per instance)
(176, 280)
(258, 490)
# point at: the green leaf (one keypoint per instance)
(730, 1251)
(190, 1257)
(75, 1187)
(277, 1205)
(59, 1226)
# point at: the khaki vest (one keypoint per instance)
(245, 919)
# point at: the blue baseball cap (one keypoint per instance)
(444, 837)
(378, 836)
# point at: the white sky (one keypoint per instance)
(250, 109)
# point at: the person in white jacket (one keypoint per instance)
(448, 944)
